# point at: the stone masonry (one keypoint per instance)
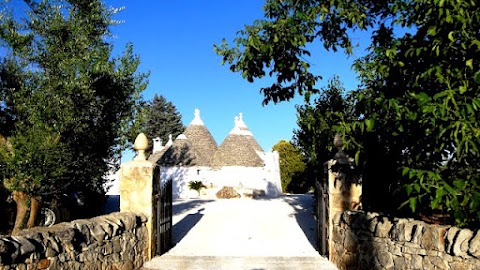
(137, 189)
(372, 241)
(344, 188)
(115, 241)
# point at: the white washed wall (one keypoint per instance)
(263, 178)
(272, 168)
(181, 176)
(240, 177)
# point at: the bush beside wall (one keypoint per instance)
(115, 241)
(372, 241)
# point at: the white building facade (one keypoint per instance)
(238, 162)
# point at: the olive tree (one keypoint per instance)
(66, 100)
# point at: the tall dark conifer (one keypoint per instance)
(162, 119)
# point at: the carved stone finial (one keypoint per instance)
(338, 142)
(170, 141)
(240, 128)
(241, 124)
(340, 156)
(196, 119)
(141, 144)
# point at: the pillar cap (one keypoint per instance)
(141, 144)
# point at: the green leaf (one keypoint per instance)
(477, 77)
(450, 190)
(450, 36)
(413, 204)
(409, 189)
(459, 184)
(275, 38)
(469, 108)
(422, 97)
(439, 192)
(469, 63)
(370, 124)
(411, 174)
(357, 157)
(416, 186)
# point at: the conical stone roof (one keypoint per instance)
(201, 140)
(242, 129)
(180, 153)
(239, 148)
(155, 156)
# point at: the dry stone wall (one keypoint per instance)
(115, 241)
(371, 241)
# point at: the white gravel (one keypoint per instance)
(282, 226)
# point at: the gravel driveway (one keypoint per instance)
(282, 226)
(243, 234)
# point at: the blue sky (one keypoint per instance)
(175, 42)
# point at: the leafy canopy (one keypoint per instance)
(291, 164)
(66, 101)
(315, 119)
(416, 112)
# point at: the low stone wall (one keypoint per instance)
(371, 241)
(115, 241)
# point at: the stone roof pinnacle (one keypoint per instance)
(240, 127)
(170, 141)
(197, 120)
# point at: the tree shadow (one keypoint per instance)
(303, 206)
(181, 228)
(112, 204)
(181, 206)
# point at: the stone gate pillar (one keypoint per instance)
(344, 188)
(136, 188)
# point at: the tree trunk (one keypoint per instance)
(34, 210)
(21, 199)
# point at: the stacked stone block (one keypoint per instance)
(344, 191)
(372, 241)
(115, 241)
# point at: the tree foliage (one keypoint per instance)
(291, 165)
(416, 120)
(315, 121)
(66, 101)
(161, 119)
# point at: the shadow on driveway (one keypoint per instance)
(303, 205)
(182, 227)
(182, 206)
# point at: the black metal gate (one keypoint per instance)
(164, 218)
(321, 196)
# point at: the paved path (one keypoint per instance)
(243, 234)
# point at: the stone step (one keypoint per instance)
(169, 262)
